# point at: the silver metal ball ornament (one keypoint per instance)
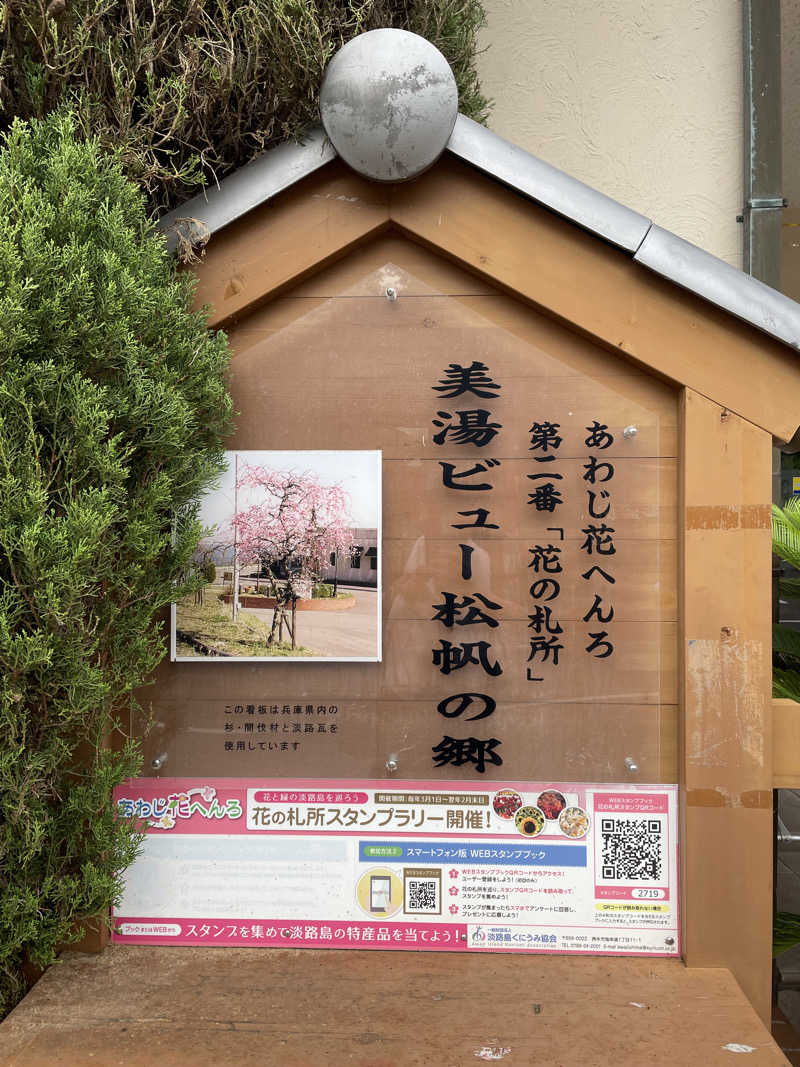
(389, 103)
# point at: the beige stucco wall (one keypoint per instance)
(641, 99)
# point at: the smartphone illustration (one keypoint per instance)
(380, 892)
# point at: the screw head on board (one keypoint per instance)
(389, 102)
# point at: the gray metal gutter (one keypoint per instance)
(762, 214)
(658, 250)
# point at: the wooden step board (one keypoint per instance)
(161, 1007)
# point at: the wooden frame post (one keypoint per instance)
(726, 794)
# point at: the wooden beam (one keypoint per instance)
(726, 795)
(282, 241)
(602, 292)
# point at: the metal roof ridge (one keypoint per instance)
(547, 185)
(660, 250)
(719, 283)
(256, 182)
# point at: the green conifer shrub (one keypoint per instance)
(113, 414)
(785, 639)
(188, 90)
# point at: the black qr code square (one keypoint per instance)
(632, 850)
(422, 895)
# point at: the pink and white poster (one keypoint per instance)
(426, 865)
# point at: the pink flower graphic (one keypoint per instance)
(454, 909)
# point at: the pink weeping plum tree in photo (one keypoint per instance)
(291, 531)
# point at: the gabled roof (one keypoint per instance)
(657, 249)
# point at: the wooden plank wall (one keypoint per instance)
(334, 364)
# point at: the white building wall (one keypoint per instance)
(365, 574)
(641, 99)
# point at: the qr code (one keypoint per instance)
(422, 893)
(632, 849)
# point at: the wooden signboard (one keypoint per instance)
(659, 615)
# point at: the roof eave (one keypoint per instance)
(548, 186)
(660, 251)
(248, 187)
(721, 284)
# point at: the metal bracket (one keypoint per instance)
(766, 203)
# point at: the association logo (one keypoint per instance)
(164, 813)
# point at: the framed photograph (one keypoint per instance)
(290, 563)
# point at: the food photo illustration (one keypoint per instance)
(550, 814)
(506, 803)
(552, 803)
(573, 822)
